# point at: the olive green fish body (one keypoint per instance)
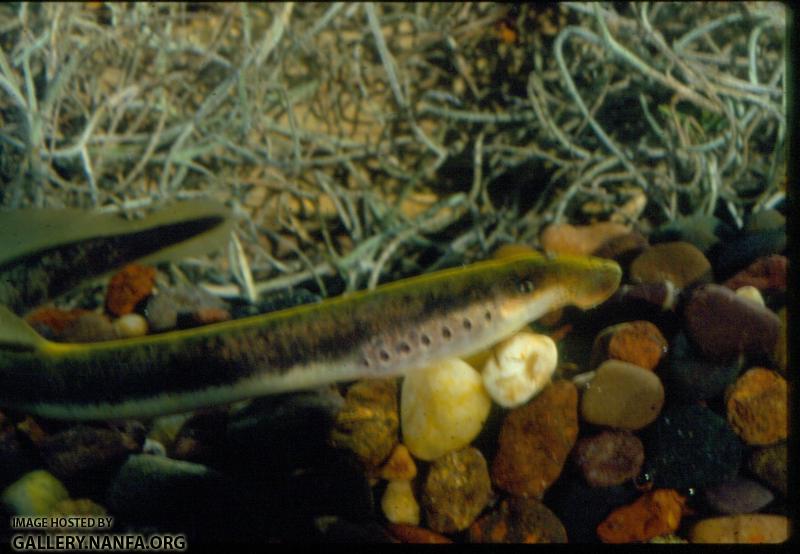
(385, 332)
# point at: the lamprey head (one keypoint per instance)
(580, 281)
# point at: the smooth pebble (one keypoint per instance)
(442, 408)
(622, 396)
(398, 503)
(519, 368)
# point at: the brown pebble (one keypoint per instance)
(609, 458)
(757, 407)
(88, 327)
(519, 520)
(83, 448)
(680, 263)
(622, 396)
(368, 422)
(637, 342)
(411, 534)
(767, 273)
(723, 325)
(741, 529)
(535, 440)
(581, 240)
(456, 490)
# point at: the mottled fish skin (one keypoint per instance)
(385, 332)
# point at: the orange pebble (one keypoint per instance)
(128, 287)
(655, 513)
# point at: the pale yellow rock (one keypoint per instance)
(751, 293)
(520, 367)
(130, 326)
(442, 408)
(399, 504)
(741, 529)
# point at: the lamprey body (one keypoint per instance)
(385, 332)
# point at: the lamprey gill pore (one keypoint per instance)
(385, 332)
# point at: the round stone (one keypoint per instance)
(622, 396)
(680, 263)
(442, 408)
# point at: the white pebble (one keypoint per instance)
(751, 293)
(519, 368)
(398, 503)
(442, 408)
(130, 326)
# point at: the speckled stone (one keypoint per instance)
(691, 446)
(535, 441)
(723, 325)
(622, 396)
(518, 520)
(369, 421)
(769, 464)
(609, 458)
(741, 529)
(456, 490)
(738, 496)
(680, 263)
(757, 407)
(637, 342)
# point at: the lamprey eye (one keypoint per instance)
(525, 286)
